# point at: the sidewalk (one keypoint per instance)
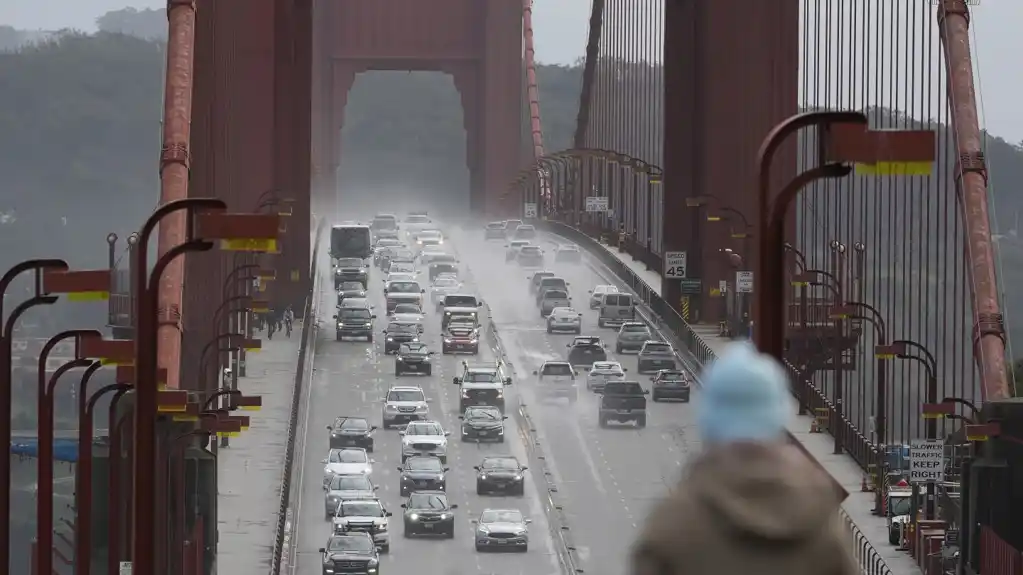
(249, 470)
(841, 467)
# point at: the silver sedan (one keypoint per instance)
(502, 529)
(564, 319)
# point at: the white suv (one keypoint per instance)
(424, 438)
(404, 404)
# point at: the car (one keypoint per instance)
(495, 231)
(511, 226)
(403, 268)
(616, 309)
(459, 304)
(597, 294)
(388, 242)
(655, 355)
(502, 529)
(346, 487)
(631, 336)
(553, 298)
(350, 290)
(585, 350)
(460, 337)
(350, 269)
(567, 254)
(429, 238)
(622, 402)
(671, 384)
(405, 291)
(529, 256)
(350, 553)
(436, 269)
(536, 277)
(442, 286)
(381, 253)
(548, 283)
(407, 313)
(399, 333)
(364, 516)
(352, 321)
(601, 372)
(564, 319)
(346, 461)
(416, 222)
(399, 277)
(513, 249)
(403, 404)
(524, 232)
(483, 423)
(396, 255)
(413, 357)
(351, 432)
(430, 254)
(382, 222)
(482, 384)
(500, 474)
(429, 513)
(420, 473)
(424, 438)
(556, 380)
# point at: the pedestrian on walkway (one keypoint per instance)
(750, 503)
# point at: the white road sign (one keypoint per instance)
(124, 568)
(529, 211)
(723, 286)
(675, 265)
(744, 282)
(926, 461)
(596, 204)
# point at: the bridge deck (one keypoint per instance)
(842, 467)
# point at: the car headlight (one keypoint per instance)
(484, 530)
(447, 313)
(391, 339)
(440, 477)
(465, 395)
(474, 341)
(500, 393)
(390, 408)
(444, 516)
(373, 562)
(446, 340)
(414, 517)
(368, 325)
(483, 476)
(517, 478)
(339, 324)
(421, 407)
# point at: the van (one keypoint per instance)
(616, 309)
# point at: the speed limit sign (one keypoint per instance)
(529, 210)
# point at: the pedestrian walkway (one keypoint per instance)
(249, 469)
(842, 468)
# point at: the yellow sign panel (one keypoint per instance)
(89, 296)
(715, 292)
(249, 245)
(740, 236)
(261, 287)
(261, 309)
(800, 284)
(252, 349)
(108, 361)
(713, 219)
(976, 437)
(172, 409)
(895, 169)
(182, 418)
(884, 356)
(228, 434)
(249, 407)
(934, 416)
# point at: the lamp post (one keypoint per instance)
(83, 474)
(117, 423)
(242, 318)
(901, 348)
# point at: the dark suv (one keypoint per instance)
(413, 357)
(353, 553)
(422, 473)
(585, 350)
(429, 513)
(351, 432)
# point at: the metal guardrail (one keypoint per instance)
(282, 531)
(863, 551)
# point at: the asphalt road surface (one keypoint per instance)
(608, 479)
(352, 378)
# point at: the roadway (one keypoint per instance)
(608, 479)
(351, 378)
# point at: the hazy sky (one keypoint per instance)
(560, 31)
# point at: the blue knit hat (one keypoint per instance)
(745, 398)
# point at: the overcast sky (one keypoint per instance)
(561, 37)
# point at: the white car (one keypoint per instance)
(430, 253)
(443, 286)
(567, 253)
(404, 404)
(347, 461)
(424, 438)
(601, 372)
(556, 379)
(565, 319)
(597, 294)
(513, 249)
(429, 237)
(403, 267)
(365, 515)
(407, 313)
(400, 277)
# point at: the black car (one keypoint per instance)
(483, 423)
(671, 384)
(429, 513)
(350, 270)
(501, 474)
(353, 553)
(422, 473)
(399, 333)
(413, 357)
(460, 337)
(351, 432)
(586, 350)
(350, 290)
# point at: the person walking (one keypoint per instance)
(750, 503)
(289, 320)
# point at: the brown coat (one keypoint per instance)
(747, 510)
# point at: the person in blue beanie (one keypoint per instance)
(750, 503)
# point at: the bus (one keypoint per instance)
(350, 241)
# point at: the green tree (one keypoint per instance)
(148, 24)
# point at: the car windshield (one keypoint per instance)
(554, 283)
(402, 328)
(460, 301)
(414, 348)
(519, 243)
(495, 225)
(354, 424)
(406, 395)
(634, 328)
(672, 376)
(445, 282)
(388, 242)
(349, 263)
(348, 456)
(510, 516)
(423, 464)
(602, 366)
(506, 463)
(350, 483)
(417, 220)
(564, 311)
(403, 255)
(407, 308)
(424, 429)
(403, 267)
(350, 544)
(481, 377)
(361, 509)
(900, 506)
(555, 294)
(443, 267)
(483, 413)
(657, 348)
(355, 313)
(465, 321)
(351, 286)
(568, 249)
(403, 287)
(432, 501)
(557, 369)
(605, 289)
(531, 250)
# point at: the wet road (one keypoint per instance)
(608, 479)
(352, 378)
